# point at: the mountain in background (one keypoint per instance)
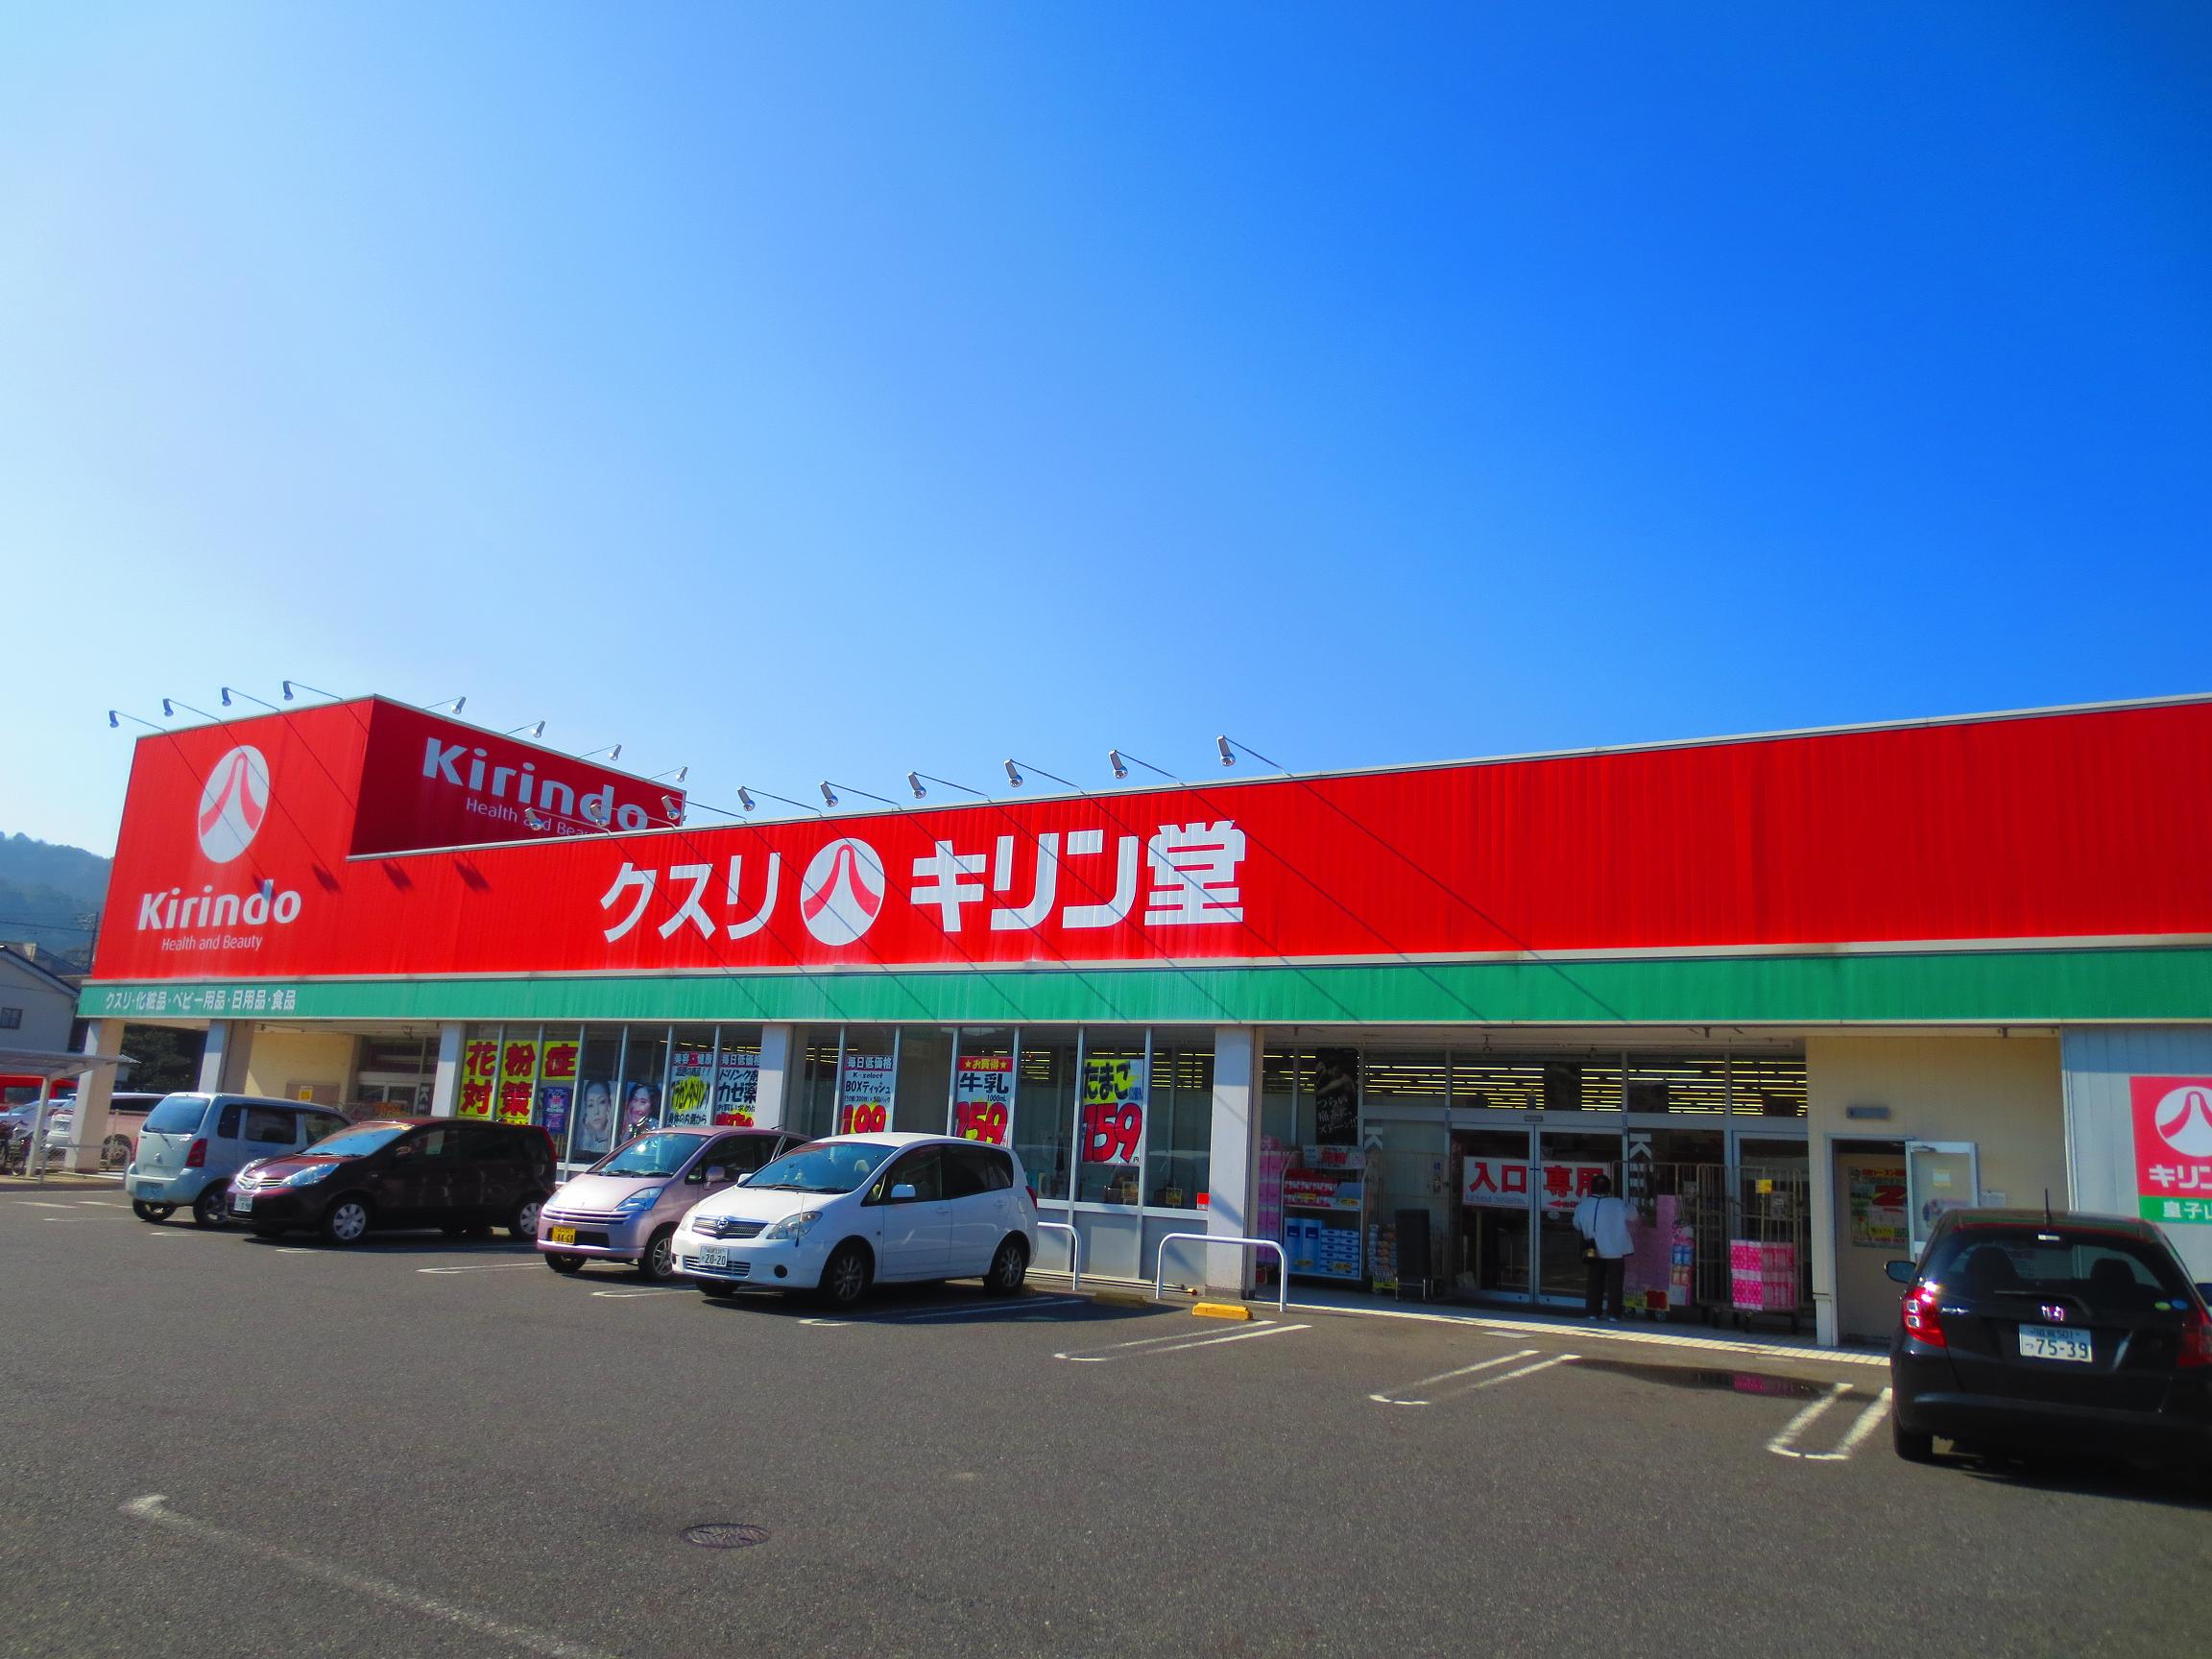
(50, 896)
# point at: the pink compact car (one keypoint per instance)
(626, 1206)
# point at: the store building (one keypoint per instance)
(1798, 993)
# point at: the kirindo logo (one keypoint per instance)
(842, 892)
(2184, 1119)
(233, 804)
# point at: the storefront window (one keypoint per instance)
(1110, 1130)
(1407, 1081)
(1582, 1085)
(1693, 1084)
(1179, 1125)
(598, 1094)
(1766, 1085)
(737, 1092)
(690, 1077)
(644, 1068)
(557, 1056)
(516, 1094)
(1278, 1097)
(1044, 1107)
(867, 1079)
(1481, 1082)
(814, 1114)
(925, 1080)
(983, 1087)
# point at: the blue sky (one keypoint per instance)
(803, 392)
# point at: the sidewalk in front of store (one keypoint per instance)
(1634, 1329)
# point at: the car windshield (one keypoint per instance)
(178, 1115)
(2108, 1270)
(359, 1141)
(660, 1153)
(825, 1167)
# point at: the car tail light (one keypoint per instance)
(1921, 1322)
(2196, 1338)
(197, 1158)
(1032, 1192)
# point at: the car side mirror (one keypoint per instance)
(1901, 1271)
(904, 1190)
(719, 1173)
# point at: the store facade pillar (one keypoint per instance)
(102, 1037)
(223, 1061)
(773, 1091)
(445, 1080)
(1233, 1182)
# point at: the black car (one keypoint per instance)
(458, 1175)
(2031, 1331)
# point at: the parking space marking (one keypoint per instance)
(1151, 1347)
(103, 1204)
(1396, 1396)
(485, 1266)
(1785, 1444)
(667, 1290)
(40, 1204)
(155, 1509)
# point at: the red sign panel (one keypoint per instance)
(2172, 1147)
(2079, 826)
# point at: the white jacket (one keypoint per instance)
(1604, 1222)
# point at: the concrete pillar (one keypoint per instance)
(445, 1082)
(1235, 1172)
(223, 1062)
(775, 1087)
(93, 1087)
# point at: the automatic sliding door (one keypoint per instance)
(1568, 1163)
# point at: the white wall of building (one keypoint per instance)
(2099, 1127)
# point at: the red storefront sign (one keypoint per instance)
(2172, 1118)
(1991, 831)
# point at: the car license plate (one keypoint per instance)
(242, 1202)
(2053, 1342)
(564, 1235)
(713, 1256)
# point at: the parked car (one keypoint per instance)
(127, 1115)
(626, 1206)
(835, 1215)
(461, 1176)
(192, 1145)
(2031, 1331)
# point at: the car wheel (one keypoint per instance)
(1008, 1268)
(212, 1208)
(114, 1152)
(155, 1212)
(1913, 1447)
(522, 1225)
(346, 1221)
(658, 1265)
(845, 1276)
(565, 1265)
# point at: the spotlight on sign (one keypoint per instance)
(672, 808)
(228, 694)
(536, 730)
(533, 818)
(744, 799)
(1114, 760)
(914, 783)
(1012, 775)
(1228, 755)
(829, 795)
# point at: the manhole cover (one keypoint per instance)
(725, 1536)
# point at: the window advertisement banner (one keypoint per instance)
(864, 1093)
(983, 1097)
(2172, 1147)
(518, 1079)
(479, 1076)
(1878, 1206)
(596, 1118)
(1112, 1112)
(690, 1070)
(736, 1090)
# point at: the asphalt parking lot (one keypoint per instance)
(421, 1446)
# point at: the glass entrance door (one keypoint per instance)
(1492, 1168)
(1568, 1160)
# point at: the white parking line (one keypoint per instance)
(485, 1266)
(40, 1204)
(1183, 1342)
(153, 1508)
(103, 1204)
(1395, 1396)
(1785, 1444)
(1508, 1376)
(625, 1295)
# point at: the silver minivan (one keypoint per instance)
(192, 1145)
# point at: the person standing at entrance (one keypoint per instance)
(1602, 1220)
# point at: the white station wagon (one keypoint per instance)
(838, 1214)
